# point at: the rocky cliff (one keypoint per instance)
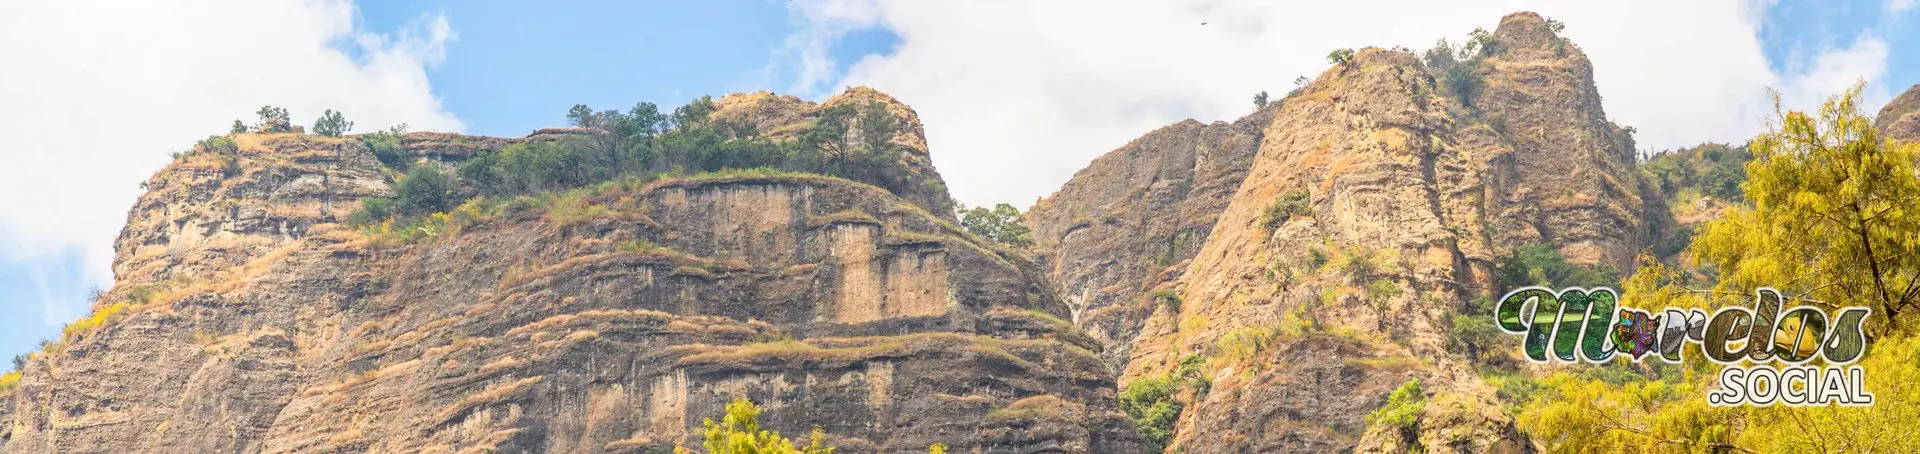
(1900, 118)
(246, 320)
(1306, 257)
(787, 117)
(1273, 279)
(1131, 220)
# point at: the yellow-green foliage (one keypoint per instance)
(477, 210)
(1152, 404)
(9, 381)
(1829, 217)
(1246, 344)
(739, 432)
(1403, 408)
(1357, 263)
(572, 207)
(1194, 324)
(412, 230)
(1832, 215)
(1168, 297)
(103, 317)
(1290, 204)
(1586, 414)
(636, 245)
(1893, 376)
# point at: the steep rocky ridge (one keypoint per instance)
(1432, 188)
(1131, 220)
(246, 320)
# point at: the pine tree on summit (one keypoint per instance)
(273, 120)
(332, 124)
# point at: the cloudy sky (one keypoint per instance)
(1016, 95)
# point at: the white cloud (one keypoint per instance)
(1017, 95)
(96, 94)
(822, 23)
(1898, 6)
(1835, 69)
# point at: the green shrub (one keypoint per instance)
(238, 127)
(1358, 263)
(1150, 402)
(224, 150)
(1481, 43)
(1713, 169)
(274, 120)
(332, 124)
(1246, 344)
(220, 145)
(1380, 294)
(636, 245)
(739, 432)
(372, 210)
(1457, 67)
(1002, 224)
(425, 190)
(1541, 264)
(1473, 330)
(1340, 57)
(1288, 205)
(1403, 408)
(1168, 297)
(386, 146)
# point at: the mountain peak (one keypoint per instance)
(1898, 119)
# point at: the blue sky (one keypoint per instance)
(513, 69)
(1015, 95)
(1799, 28)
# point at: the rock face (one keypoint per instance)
(1426, 189)
(1900, 118)
(787, 117)
(207, 213)
(245, 320)
(1132, 219)
(1304, 260)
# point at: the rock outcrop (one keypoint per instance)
(247, 320)
(1900, 118)
(1371, 177)
(1131, 220)
(788, 117)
